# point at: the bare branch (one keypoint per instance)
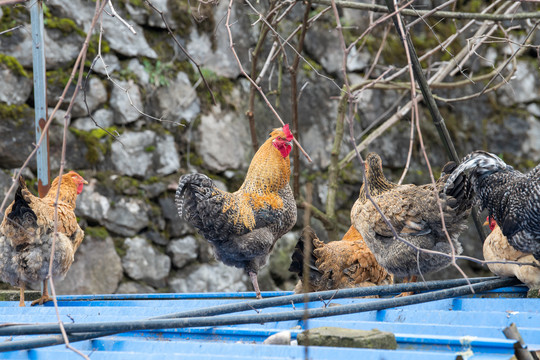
(231, 45)
(12, 2)
(12, 29)
(170, 32)
(115, 14)
(437, 15)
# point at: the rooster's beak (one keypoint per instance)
(85, 182)
(485, 224)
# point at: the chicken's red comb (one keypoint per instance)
(288, 132)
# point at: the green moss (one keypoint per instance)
(221, 88)
(93, 47)
(181, 14)
(151, 180)
(65, 25)
(161, 43)
(136, 3)
(186, 67)
(92, 140)
(158, 128)
(127, 74)
(13, 16)
(123, 184)
(13, 64)
(58, 77)
(528, 164)
(46, 12)
(15, 113)
(311, 65)
(100, 133)
(96, 232)
(150, 148)
(120, 247)
(195, 159)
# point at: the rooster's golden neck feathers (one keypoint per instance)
(270, 168)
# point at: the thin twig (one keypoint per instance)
(170, 32)
(241, 67)
(437, 15)
(115, 14)
(513, 55)
(11, 2)
(12, 29)
(293, 70)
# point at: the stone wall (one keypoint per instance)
(156, 122)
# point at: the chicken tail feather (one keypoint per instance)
(297, 264)
(458, 193)
(21, 213)
(482, 162)
(195, 185)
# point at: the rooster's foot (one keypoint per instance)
(42, 300)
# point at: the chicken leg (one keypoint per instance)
(21, 296)
(44, 295)
(409, 279)
(253, 277)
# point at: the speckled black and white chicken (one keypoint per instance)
(511, 197)
(414, 213)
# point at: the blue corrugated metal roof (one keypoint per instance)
(470, 326)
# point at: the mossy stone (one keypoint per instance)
(341, 337)
(11, 63)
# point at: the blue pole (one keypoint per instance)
(40, 96)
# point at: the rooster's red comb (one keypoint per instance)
(288, 132)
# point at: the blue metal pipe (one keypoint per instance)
(40, 96)
(325, 295)
(78, 332)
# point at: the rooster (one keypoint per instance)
(414, 213)
(27, 233)
(243, 226)
(338, 264)
(497, 248)
(511, 198)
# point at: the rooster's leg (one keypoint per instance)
(44, 296)
(410, 279)
(21, 298)
(253, 277)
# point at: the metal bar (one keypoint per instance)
(106, 328)
(40, 96)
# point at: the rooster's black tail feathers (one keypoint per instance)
(192, 185)
(21, 212)
(297, 264)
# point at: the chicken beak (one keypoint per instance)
(85, 182)
(485, 223)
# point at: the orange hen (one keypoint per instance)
(27, 233)
(338, 264)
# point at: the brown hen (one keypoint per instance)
(414, 213)
(338, 264)
(27, 233)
